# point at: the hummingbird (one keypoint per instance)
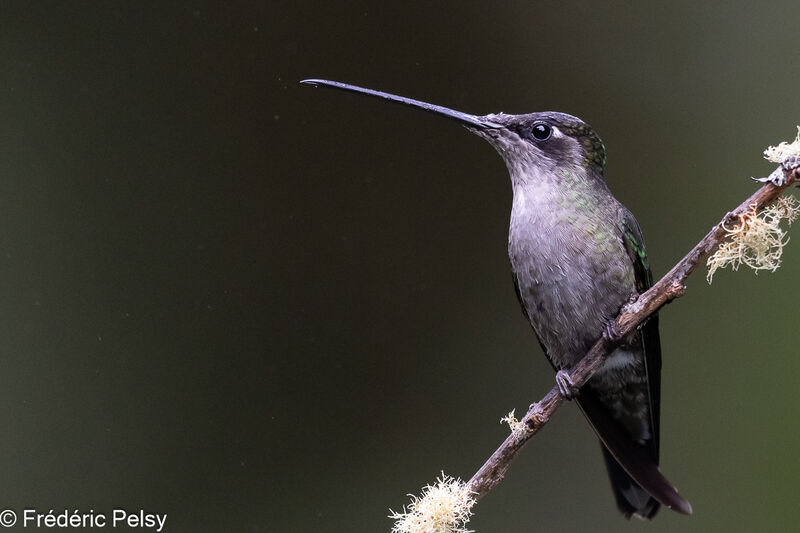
(577, 256)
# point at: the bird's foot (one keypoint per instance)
(611, 333)
(565, 385)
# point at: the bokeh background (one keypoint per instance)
(259, 306)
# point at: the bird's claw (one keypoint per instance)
(566, 387)
(611, 333)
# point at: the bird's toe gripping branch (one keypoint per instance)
(611, 333)
(566, 387)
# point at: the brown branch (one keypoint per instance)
(668, 288)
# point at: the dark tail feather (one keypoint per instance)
(631, 461)
(631, 498)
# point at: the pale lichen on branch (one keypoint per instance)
(518, 427)
(784, 151)
(757, 240)
(444, 507)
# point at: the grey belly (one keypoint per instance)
(569, 310)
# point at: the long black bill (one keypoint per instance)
(468, 120)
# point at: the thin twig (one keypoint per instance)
(668, 288)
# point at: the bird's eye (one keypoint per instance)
(541, 132)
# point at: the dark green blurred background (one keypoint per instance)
(257, 306)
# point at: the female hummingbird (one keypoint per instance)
(577, 256)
